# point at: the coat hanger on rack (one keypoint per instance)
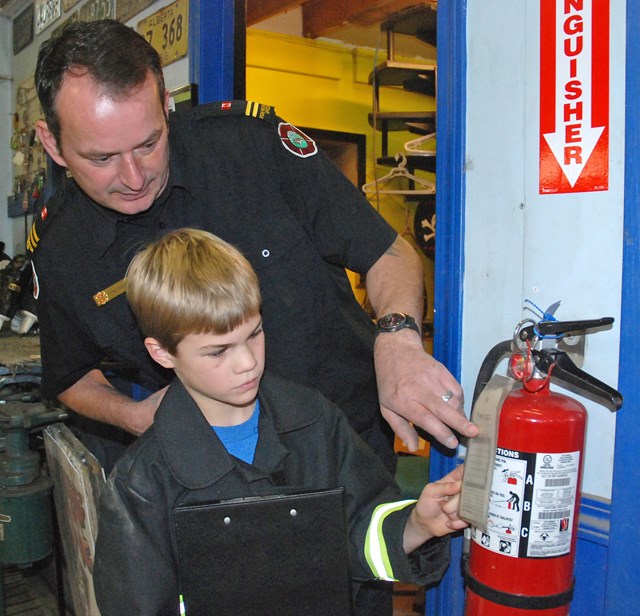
(414, 147)
(421, 185)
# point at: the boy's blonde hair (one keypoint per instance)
(190, 282)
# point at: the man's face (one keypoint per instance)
(222, 372)
(116, 149)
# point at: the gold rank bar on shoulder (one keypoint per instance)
(118, 288)
(33, 239)
(257, 110)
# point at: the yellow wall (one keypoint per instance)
(325, 86)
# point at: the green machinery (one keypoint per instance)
(26, 516)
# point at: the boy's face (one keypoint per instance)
(221, 371)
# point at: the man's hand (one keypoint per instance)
(145, 411)
(413, 388)
(94, 397)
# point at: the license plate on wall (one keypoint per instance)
(95, 10)
(47, 11)
(167, 31)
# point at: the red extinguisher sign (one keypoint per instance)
(574, 96)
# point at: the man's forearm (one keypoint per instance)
(395, 283)
(414, 389)
(94, 397)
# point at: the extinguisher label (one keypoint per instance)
(532, 504)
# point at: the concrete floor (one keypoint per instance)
(26, 594)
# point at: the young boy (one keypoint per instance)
(227, 429)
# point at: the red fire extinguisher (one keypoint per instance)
(522, 562)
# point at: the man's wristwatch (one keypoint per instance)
(394, 321)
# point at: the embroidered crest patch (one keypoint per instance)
(296, 141)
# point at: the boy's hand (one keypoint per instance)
(436, 512)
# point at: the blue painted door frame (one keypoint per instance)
(448, 597)
(622, 594)
(214, 49)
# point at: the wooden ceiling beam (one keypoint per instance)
(321, 17)
(258, 10)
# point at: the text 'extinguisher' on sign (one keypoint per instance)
(574, 96)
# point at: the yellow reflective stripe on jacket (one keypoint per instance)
(182, 608)
(375, 547)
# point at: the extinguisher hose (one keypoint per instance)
(499, 352)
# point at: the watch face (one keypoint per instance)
(392, 320)
(395, 321)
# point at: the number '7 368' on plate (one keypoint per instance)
(167, 31)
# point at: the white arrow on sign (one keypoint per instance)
(574, 138)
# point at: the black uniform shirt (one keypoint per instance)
(258, 184)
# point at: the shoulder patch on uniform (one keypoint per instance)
(228, 108)
(296, 141)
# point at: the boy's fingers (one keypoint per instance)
(455, 476)
(457, 473)
(446, 488)
(457, 524)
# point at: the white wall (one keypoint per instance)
(521, 245)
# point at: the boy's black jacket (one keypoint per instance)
(305, 443)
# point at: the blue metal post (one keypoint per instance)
(447, 599)
(623, 573)
(217, 48)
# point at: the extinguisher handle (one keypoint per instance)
(561, 367)
(489, 364)
(549, 328)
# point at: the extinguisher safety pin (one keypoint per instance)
(524, 337)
